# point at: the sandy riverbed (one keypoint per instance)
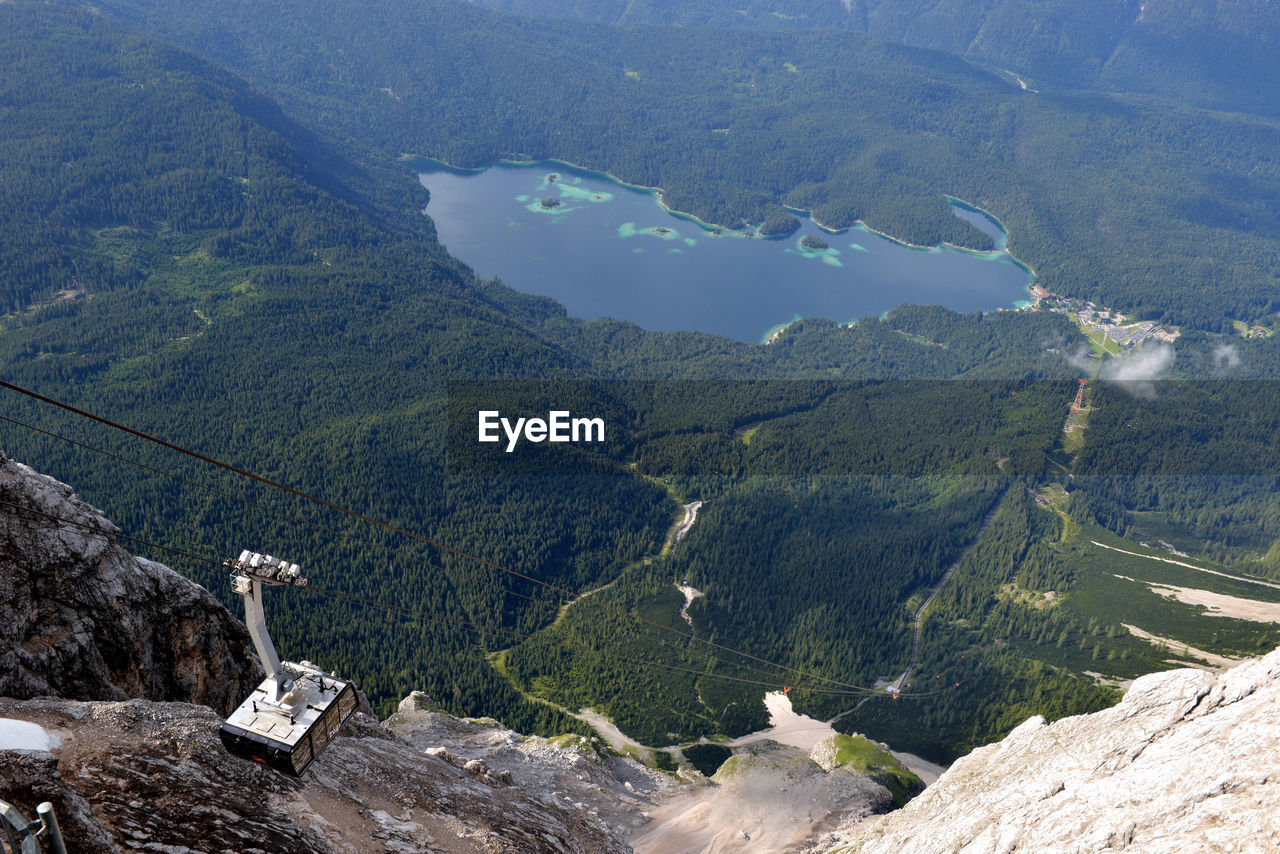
(1213, 660)
(1216, 604)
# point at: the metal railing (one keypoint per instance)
(30, 837)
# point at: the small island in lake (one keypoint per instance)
(779, 224)
(812, 242)
(552, 178)
(550, 203)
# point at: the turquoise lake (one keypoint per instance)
(605, 249)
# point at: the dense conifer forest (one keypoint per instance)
(1200, 51)
(1150, 205)
(252, 278)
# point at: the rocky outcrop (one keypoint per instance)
(767, 797)
(143, 776)
(581, 774)
(29, 778)
(82, 618)
(1187, 762)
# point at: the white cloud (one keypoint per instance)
(1079, 359)
(1137, 370)
(1226, 357)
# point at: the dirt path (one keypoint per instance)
(677, 532)
(614, 737)
(1187, 565)
(1213, 661)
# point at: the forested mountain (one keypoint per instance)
(253, 279)
(242, 275)
(260, 299)
(1207, 52)
(1167, 211)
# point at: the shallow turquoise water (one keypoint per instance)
(606, 249)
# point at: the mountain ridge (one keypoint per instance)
(1185, 763)
(1199, 50)
(82, 618)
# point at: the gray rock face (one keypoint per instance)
(1188, 762)
(82, 618)
(767, 797)
(143, 776)
(28, 778)
(579, 774)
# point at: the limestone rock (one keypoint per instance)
(82, 618)
(155, 777)
(1186, 763)
(766, 797)
(580, 773)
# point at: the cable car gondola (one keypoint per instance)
(298, 709)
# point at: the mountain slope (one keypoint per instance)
(145, 775)
(1184, 764)
(296, 327)
(306, 325)
(1207, 52)
(288, 292)
(1162, 209)
(1210, 53)
(82, 618)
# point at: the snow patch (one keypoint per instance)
(24, 735)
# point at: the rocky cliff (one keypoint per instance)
(82, 618)
(1187, 762)
(145, 776)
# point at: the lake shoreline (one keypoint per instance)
(562, 258)
(657, 191)
(920, 247)
(808, 213)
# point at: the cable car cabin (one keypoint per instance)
(298, 709)
(289, 734)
